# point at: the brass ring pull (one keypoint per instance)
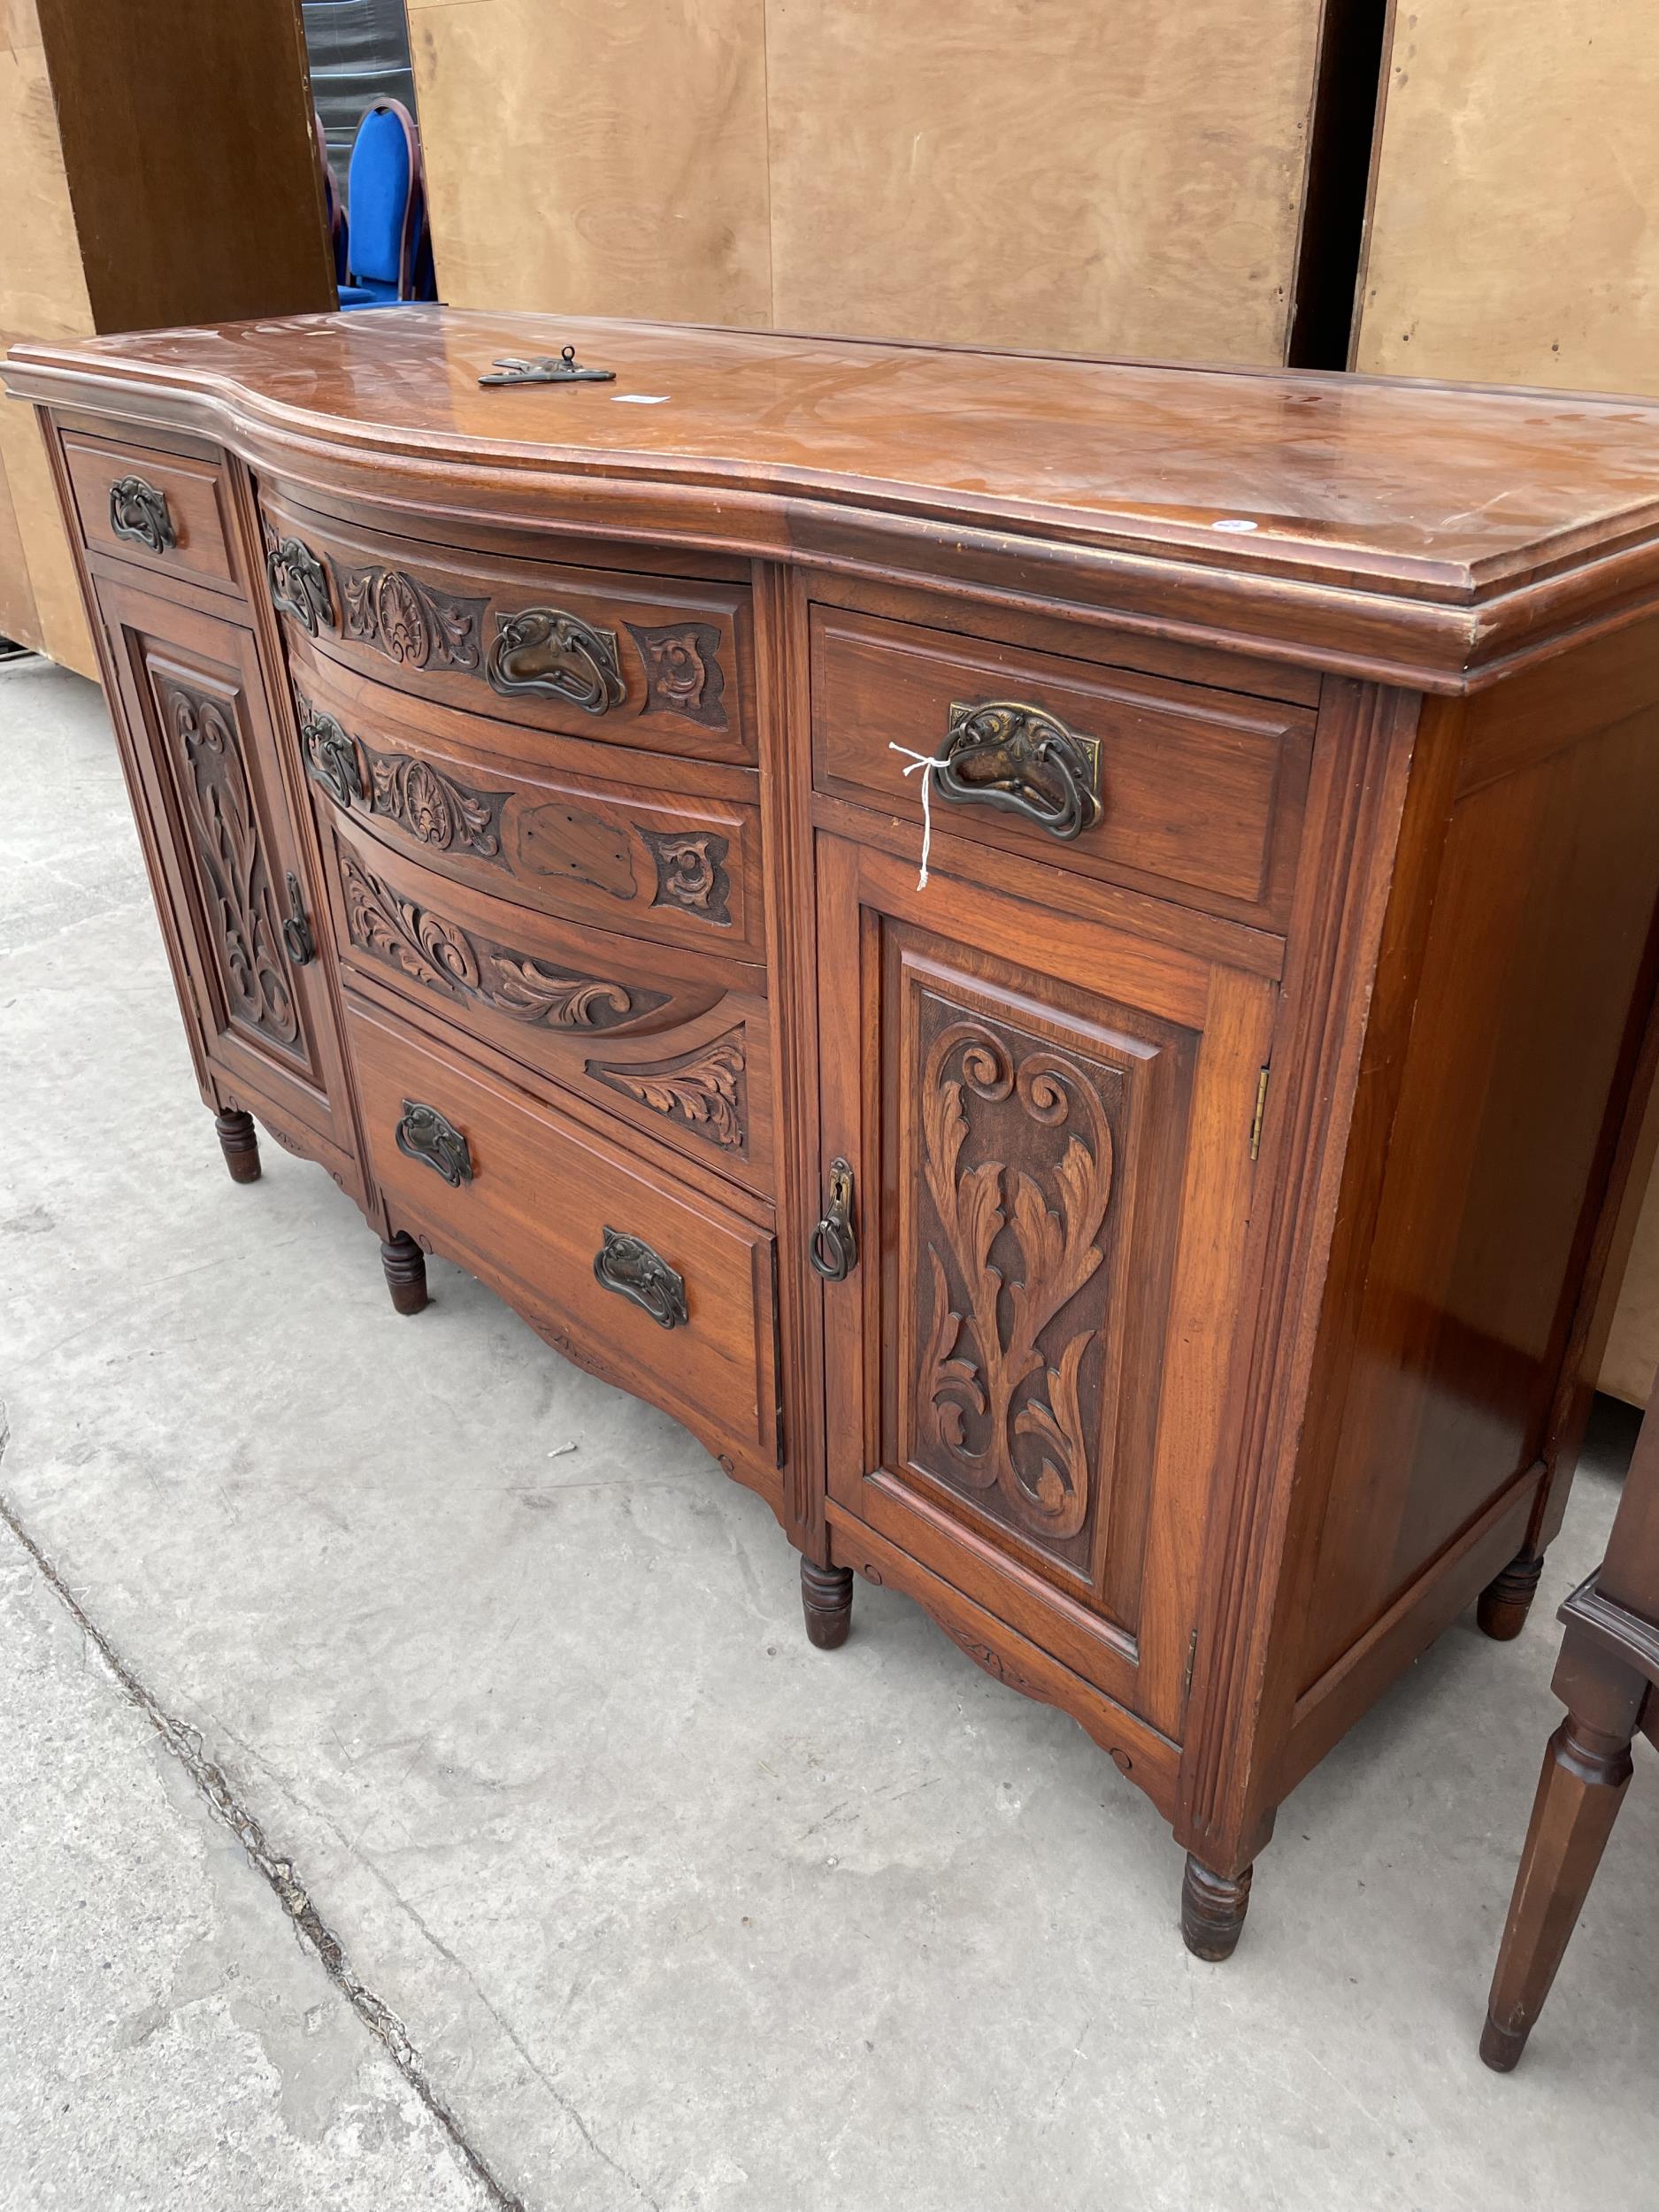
(628, 1266)
(1005, 755)
(424, 1134)
(139, 512)
(833, 1248)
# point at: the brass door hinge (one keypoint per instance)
(1261, 1114)
(1186, 1679)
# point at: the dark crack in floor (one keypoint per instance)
(185, 1743)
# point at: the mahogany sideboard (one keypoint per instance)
(1163, 1242)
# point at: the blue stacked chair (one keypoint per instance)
(389, 246)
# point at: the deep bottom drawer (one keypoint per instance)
(655, 1287)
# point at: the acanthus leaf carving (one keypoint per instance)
(1031, 1448)
(440, 953)
(413, 623)
(703, 1089)
(224, 830)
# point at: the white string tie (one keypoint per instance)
(928, 762)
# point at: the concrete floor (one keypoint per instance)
(633, 1899)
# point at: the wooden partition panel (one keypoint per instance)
(597, 157)
(1513, 234)
(43, 294)
(1118, 180)
(156, 167)
(1071, 178)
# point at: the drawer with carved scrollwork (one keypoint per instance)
(619, 841)
(676, 1044)
(662, 663)
(628, 1271)
(1188, 791)
(168, 511)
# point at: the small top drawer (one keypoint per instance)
(166, 510)
(1170, 787)
(662, 663)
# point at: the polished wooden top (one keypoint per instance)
(1440, 504)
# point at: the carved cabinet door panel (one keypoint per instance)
(194, 702)
(1049, 1124)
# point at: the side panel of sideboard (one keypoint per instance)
(1516, 982)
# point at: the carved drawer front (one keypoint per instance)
(648, 1284)
(1191, 794)
(204, 753)
(166, 511)
(615, 841)
(654, 662)
(1048, 1147)
(675, 1044)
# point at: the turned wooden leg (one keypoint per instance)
(405, 1265)
(1507, 1599)
(1587, 1771)
(826, 1599)
(1213, 1906)
(239, 1142)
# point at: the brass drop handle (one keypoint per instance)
(627, 1265)
(424, 1134)
(332, 755)
(834, 1246)
(140, 513)
(297, 931)
(1003, 754)
(548, 653)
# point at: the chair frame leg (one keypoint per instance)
(1587, 1770)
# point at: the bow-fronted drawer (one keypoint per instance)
(659, 662)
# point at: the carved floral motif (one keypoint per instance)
(691, 872)
(974, 1394)
(683, 674)
(441, 954)
(411, 623)
(433, 807)
(703, 1090)
(241, 903)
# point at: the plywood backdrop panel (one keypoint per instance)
(156, 167)
(43, 294)
(1514, 226)
(1055, 174)
(597, 157)
(1058, 174)
(1513, 237)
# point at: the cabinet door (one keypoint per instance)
(1051, 1124)
(205, 751)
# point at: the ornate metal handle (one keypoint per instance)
(331, 755)
(139, 512)
(628, 1266)
(297, 931)
(1003, 754)
(554, 655)
(424, 1135)
(834, 1248)
(542, 368)
(299, 585)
